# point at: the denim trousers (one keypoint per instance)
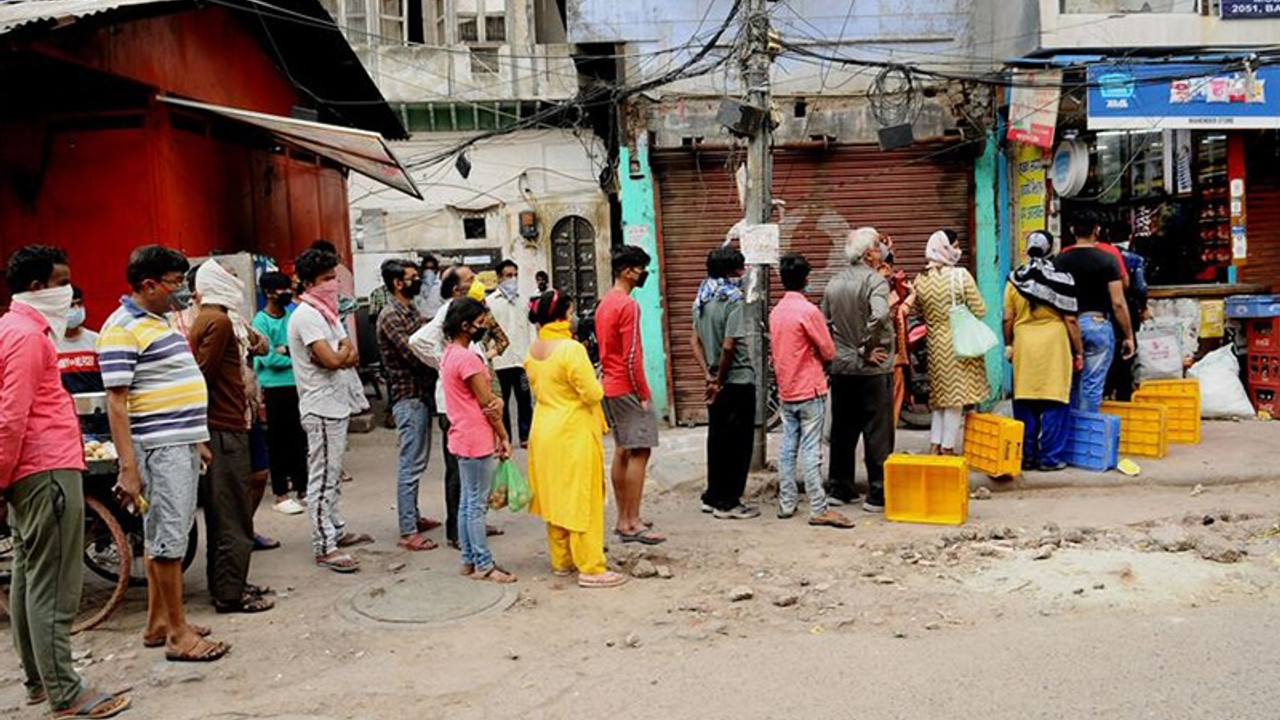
(801, 448)
(1099, 349)
(413, 426)
(1045, 424)
(476, 475)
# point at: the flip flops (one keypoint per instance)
(644, 537)
(416, 542)
(353, 539)
(200, 630)
(95, 704)
(338, 562)
(606, 579)
(210, 650)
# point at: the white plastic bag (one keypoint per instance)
(1159, 356)
(1221, 394)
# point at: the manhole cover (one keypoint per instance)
(426, 598)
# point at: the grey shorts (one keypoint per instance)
(634, 427)
(170, 481)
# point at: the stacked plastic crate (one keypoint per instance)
(1260, 315)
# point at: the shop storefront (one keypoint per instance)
(1179, 156)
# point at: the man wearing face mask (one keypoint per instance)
(78, 351)
(286, 440)
(410, 385)
(224, 489)
(321, 353)
(512, 315)
(626, 392)
(157, 404)
(429, 301)
(719, 346)
(41, 459)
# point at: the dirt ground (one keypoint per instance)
(755, 617)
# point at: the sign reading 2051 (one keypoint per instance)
(1249, 9)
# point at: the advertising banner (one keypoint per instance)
(1182, 96)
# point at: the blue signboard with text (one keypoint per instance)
(1125, 96)
(1249, 9)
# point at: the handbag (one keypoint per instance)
(970, 337)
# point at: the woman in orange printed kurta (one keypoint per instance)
(566, 452)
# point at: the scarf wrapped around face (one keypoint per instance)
(1040, 282)
(726, 288)
(940, 252)
(217, 286)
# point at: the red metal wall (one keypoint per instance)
(111, 183)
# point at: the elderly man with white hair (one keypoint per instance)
(856, 305)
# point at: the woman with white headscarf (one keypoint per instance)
(954, 382)
(1044, 338)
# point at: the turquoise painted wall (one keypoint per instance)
(639, 228)
(991, 256)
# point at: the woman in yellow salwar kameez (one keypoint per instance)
(566, 454)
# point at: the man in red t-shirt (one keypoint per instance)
(626, 393)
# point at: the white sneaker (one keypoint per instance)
(289, 506)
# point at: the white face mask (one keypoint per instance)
(75, 318)
(53, 303)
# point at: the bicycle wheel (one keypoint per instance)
(105, 547)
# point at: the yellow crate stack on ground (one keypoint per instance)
(1181, 399)
(993, 444)
(1144, 427)
(926, 489)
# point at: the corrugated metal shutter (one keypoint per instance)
(906, 193)
(1264, 236)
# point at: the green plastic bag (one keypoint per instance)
(518, 491)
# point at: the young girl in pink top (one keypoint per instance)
(476, 434)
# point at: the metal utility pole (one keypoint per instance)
(759, 202)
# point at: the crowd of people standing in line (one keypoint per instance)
(183, 369)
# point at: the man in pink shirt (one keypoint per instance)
(41, 461)
(626, 392)
(801, 344)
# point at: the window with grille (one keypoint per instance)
(356, 21)
(484, 60)
(468, 28)
(495, 28)
(391, 21)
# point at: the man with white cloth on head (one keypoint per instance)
(224, 489)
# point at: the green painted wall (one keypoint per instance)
(990, 256)
(639, 228)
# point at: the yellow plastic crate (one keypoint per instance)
(1181, 399)
(1144, 428)
(926, 489)
(993, 444)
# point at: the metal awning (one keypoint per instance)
(363, 151)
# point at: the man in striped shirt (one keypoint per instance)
(157, 406)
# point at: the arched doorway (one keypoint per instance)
(573, 261)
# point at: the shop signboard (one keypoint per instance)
(1182, 96)
(1029, 182)
(1033, 107)
(1249, 10)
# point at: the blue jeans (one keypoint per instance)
(414, 429)
(1099, 348)
(1045, 424)
(801, 438)
(477, 477)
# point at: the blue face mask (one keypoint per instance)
(808, 289)
(75, 318)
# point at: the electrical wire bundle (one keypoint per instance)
(894, 98)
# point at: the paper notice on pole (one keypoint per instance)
(760, 244)
(1033, 107)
